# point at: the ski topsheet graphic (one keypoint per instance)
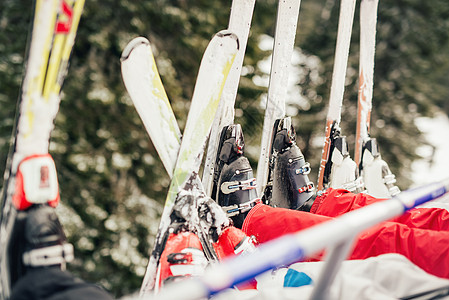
(214, 69)
(145, 88)
(332, 132)
(239, 23)
(52, 37)
(284, 39)
(378, 179)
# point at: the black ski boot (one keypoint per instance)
(41, 256)
(38, 241)
(288, 182)
(234, 182)
(36, 237)
(36, 247)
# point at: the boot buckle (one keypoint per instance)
(233, 186)
(307, 188)
(47, 256)
(304, 170)
(236, 209)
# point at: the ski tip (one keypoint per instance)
(132, 45)
(228, 33)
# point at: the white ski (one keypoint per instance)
(368, 20)
(239, 23)
(145, 88)
(215, 66)
(336, 98)
(378, 179)
(284, 40)
(53, 34)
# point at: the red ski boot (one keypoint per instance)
(182, 257)
(233, 241)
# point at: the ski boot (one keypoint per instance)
(234, 183)
(183, 254)
(200, 231)
(379, 180)
(188, 248)
(288, 182)
(230, 240)
(182, 258)
(37, 239)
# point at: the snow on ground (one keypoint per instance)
(434, 165)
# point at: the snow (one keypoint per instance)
(434, 164)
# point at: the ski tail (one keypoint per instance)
(284, 39)
(54, 32)
(39, 40)
(239, 23)
(66, 27)
(346, 19)
(214, 69)
(51, 41)
(147, 92)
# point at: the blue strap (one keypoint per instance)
(294, 278)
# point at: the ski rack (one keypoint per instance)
(336, 236)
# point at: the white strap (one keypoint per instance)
(47, 256)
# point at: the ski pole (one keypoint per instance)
(294, 247)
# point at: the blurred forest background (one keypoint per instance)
(112, 182)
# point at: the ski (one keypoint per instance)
(239, 23)
(378, 179)
(214, 69)
(30, 172)
(368, 21)
(144, 85)
(146, 90)
(284, 39)
(332, 132)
